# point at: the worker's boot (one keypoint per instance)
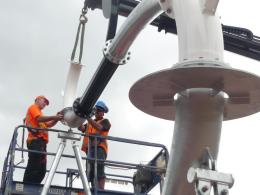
(101, 183)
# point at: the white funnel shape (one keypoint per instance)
(70, 118)
(71, 84)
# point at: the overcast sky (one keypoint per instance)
(36, 40)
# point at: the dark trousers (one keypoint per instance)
(90, 166)
(36, 166)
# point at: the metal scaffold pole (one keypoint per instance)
(54, 167)
(81, 169)
(64, 137)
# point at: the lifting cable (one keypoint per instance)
(75, 66)
(80, 33)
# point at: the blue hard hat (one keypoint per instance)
(102, 106)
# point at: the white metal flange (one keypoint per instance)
(115, 59)
(167, 6)
(154, 93)
(71, 119)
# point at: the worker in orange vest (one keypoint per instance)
(97, 126)
(38, 139)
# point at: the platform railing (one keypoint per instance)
(9, 165)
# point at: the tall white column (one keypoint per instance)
(198, 119)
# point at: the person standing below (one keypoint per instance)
(38, 139)
(97, 126)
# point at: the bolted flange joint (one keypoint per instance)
(113, 58)
(77, 109)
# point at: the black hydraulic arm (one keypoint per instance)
(83, 106)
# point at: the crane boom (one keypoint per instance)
(237, 40)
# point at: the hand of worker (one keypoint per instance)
(82, 128)
(59, 116)
(92, 113)
(61, 111)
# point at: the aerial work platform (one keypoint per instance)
(142, 177)
(19, 188)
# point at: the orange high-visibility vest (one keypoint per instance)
(92, 131)
(30, 121)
